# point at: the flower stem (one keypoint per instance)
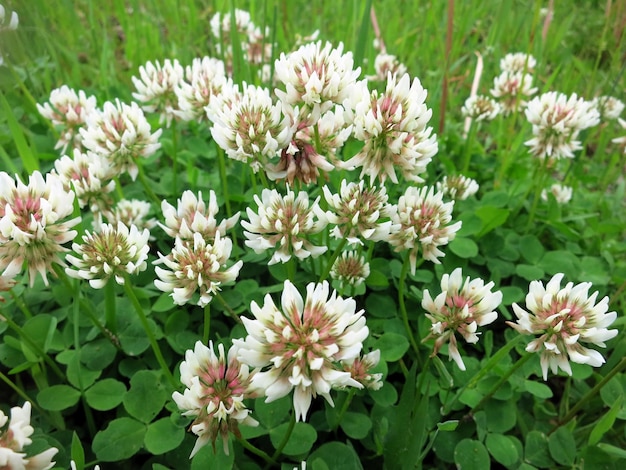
(228, 308)
(109, 306)
(207, 323)
(543, 171)
(334, 257)
(468, 147)
(21, 393)
(175, 157)
(344, 408)
(256, 451)
(146, 186)
(283, 443)
(401, 303)
(21, 305)
(146, 326)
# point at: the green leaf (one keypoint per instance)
(301, 440)
(98, 354)
(207, 459)
(594, 270)
(448, 426)
(536, 450)
(501, 415)
(491, 217)
(471, 455)
(605, 423)
(562, 446)
(529, 272)
(146, 397)
(380, 306)
(356, 425)
(335, 455)
(612, 450)
(463, 247)
(27, 155)
(163, 304)
(58, 397)
(560, 261)
(40, 329)
(105, 394)
(162, 436)
(385, 396)
(120, 440)
(531, 248)
(538, 389)
(131, 334)
(274, 413)
(78, 453)
(502, 449)
(470, 224)
(377, 280)
(511, 294)
(392, 346)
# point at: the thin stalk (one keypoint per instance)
(283, 443)
(207, 323)
(344, 408)
(21, 393)
(538, 189)
(146, 326)
(221, 159)
(334, 257)
(403, 312)
(256, 451)
(21, 305)
(109, 306)
(175, 156)
(146, 186)
(228, 308)
(291, 269)
(468, 147)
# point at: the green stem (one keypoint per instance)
(334, 257)
(291, 269)
(21, 305)
(221, 158)
(401, 303)
(21, 393)
(228, 308)
(109, 307)
(590, 394)
(538, 189)
(146, 326)
(468, 148)
(146, 186)
(175, 157)
(256, 451)
(344, 408)
(207, 323)
(283, 443)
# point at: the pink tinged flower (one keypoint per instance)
(458, 187)
(156, 88)
(89, 176)
(557, 119)
(283, 224)
(422, 220)
(359, 212)
(512, 89)
(204, 80)
(609, 107)
(216, 386)
(461, 308)
(301, 345)
(16, 436)
(518, 62)
(385, 64)
(192, 215)
(114, 251)
(562, 319)
(480, 108)
(131, 212)
(360, 370)
(315, 78)
(350, 269)
(33, 225)
(251, 128)
(68, 111)
(196, 267)
(122, 135)
(392, 126)
(562, 194)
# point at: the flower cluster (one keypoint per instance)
(385, 64)
(350, 269)
(156, 88)
(216, 386)
(301, 345)
(458, 187)
(204, 79)
(609, 107)
(562, 194)
(480, 108)
(515, 62)
(562, 318)
(461, 308)
(15, 437)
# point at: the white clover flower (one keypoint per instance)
(621, 141)
(156, 88)
(609, 107)
(13, 22)
(221, 24)
(33, 228)
(216, 387)
(557, 119)
(461, 308)
(300, 346)
(359, 212)
(253, 129)
(89, 176)
(385, 64)
(512, 90)
(16, 436)
(282, 224)
(350, 269)
(422, 220)
(458, 187)
(563, 318)
(518, 62)
(121, 134)
(131, 212)
(205, 79)
(360, 368)
(196, 266)
(192, 216)
(68, 111)
(113, 251)
(315, 78)
(562, 194)
(480, 108)
(393, 128)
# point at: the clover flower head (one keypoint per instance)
(609, 107)
(156, 88)
(221, 24)
(131, 212)
(621, 141)
(121, 134)
(458, 187)
(192, 216)
(68, 111)
(15, 436)
(6, 284)
(89, 176)
(359, 212)
(283, 223)
(360, 368)
(422, 220)
(13, 22)
(563, 318)
(216, 387)
(300, 346)
(350, 269)
(562, 194)
(205, 78)
(557, 120)
(196, 266)
(253, 129)
(480, 108)
(512, 89)
(461, 308)
(385, 64)
(518, 62)
(113, 251)
(393, 128)
(33, 225)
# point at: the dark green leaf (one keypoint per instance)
(531, 248)
(606, 422)
(562, 446)
(380, 306)
(335, 455)
(146, 397)
(162, 436)
(528, 272)
(392, 346)
(538, 389)
(492, 217)
(463, 247)
(120, 440)
(502, 449)
(301, 440)
(536, 450)
(105, 394)
(471, 455)
(356, 425)
(58, 397)
(274, 413)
